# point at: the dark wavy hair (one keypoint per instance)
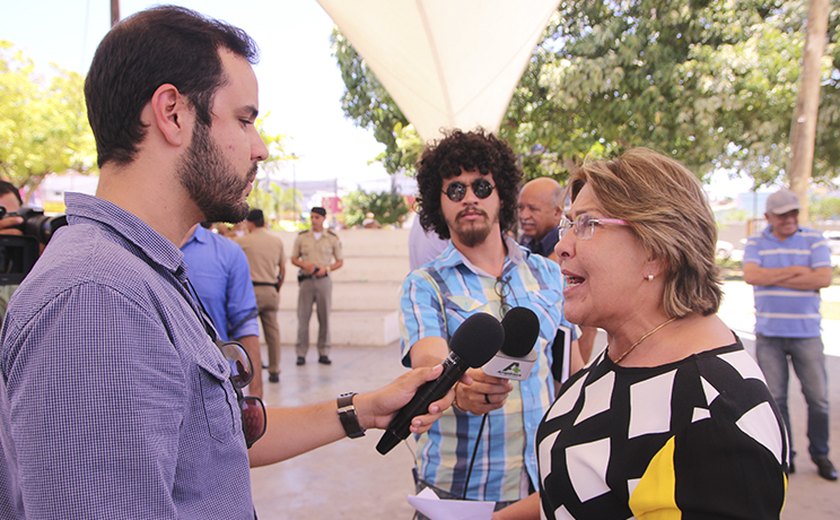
(151, 48)
(470, 151)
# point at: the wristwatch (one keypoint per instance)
(347, 415)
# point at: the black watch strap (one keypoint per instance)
(347, 415)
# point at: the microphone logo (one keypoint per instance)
(514, 370)
(518, 355)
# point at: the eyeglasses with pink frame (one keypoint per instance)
(584, 225)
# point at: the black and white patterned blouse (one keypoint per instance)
(698, 438)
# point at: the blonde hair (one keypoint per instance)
(667, 209)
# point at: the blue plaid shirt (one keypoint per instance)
(506, 452)
(114, 402)
(218, 269)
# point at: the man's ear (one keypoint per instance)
(170, 113)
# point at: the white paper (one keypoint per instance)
(428, 503)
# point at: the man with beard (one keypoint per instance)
(115, 401)
(468, 185)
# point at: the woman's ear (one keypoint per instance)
(653, 268)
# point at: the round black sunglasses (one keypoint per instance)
(458, 190)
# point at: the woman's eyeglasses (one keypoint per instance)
(251, 408)
(584, 225)
(458, 190)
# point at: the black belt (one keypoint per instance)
(276, 285)
(302, 277)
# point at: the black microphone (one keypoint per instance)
(517, 358)
(476, 341)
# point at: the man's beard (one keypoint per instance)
(211, 181)
(473, 234)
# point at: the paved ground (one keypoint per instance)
(349, 479)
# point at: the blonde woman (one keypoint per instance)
(674, 418)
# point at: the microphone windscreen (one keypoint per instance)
(521, 327)
(478, 339)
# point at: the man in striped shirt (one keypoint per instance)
(788, 265)
(482, 448)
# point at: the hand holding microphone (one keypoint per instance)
(492, 383)
(476, 341)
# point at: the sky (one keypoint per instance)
(299, 81)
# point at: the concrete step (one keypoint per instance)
(352, 296)
(347, 327)
(364, 269)
(363, 242)
(365, 298)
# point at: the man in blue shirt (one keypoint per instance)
(115, 401)
(788, 265)
(218, 269)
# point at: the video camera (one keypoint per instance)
(19, 253)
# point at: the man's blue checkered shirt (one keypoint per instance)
(114, 403)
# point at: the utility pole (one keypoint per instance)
(115, 12)
(804, 125)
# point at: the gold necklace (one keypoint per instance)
(645, 336)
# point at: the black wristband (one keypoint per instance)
(347, 415)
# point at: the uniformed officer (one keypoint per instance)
(267, 261)
(313, 252)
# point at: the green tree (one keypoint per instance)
(276, 202)
(827, 148)
(387, 208)
(268, 196)
(44, 126)
(827, 208)
(710, 82)
(367, 103)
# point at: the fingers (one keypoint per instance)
(479, 376)
(484, 384)
(422, 423)
(8, 226)
(415, 377)
(433, 373)
(480, 398)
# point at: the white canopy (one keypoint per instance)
(446, 63)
